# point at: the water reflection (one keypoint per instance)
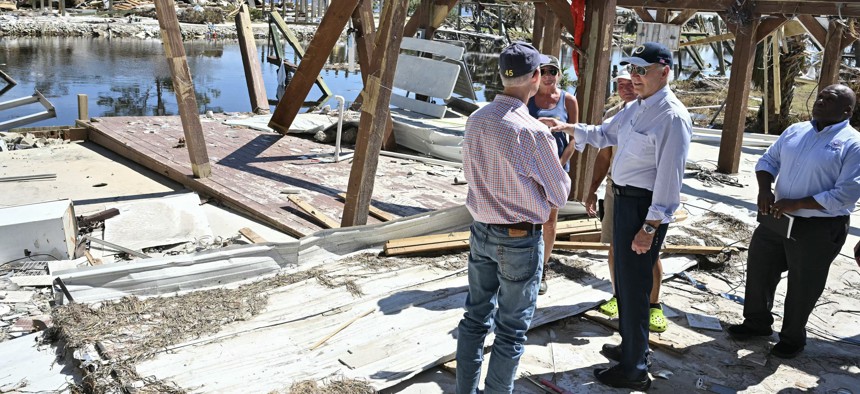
(130, 77)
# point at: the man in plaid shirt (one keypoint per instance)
(515, 179)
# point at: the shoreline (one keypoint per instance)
(24, 26)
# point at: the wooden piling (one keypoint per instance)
(83, 108)
(253, 74)
(183, 85)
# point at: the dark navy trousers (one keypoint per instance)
(633, 276)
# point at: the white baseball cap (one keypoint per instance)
(622, 74)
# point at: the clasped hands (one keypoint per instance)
(768, 206)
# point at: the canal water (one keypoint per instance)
(129, 77)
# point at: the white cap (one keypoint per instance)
(623, 74)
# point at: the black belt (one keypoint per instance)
(631, 191)
(525, 226)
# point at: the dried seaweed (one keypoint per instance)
(338, 386)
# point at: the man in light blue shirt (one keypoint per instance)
(816, 165)
(653, 137)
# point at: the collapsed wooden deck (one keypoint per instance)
(251, 170)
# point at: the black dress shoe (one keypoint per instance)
(613, 352)
(743, 332)
(786, 350)
(613, 377)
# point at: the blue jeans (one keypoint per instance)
(504, 271)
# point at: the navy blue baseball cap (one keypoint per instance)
(649, 53)
(519, 59)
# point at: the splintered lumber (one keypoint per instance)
(654, 340)
(251, 235)
(569, 227)
(672, 249)
(428, 243)
(322, 218)
(591, 236)
(374, 211)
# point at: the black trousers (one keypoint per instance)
(633, 276)
(806, 256)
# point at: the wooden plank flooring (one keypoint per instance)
(250, 168)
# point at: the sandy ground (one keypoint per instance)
(567, 351)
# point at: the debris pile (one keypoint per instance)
(18, 141)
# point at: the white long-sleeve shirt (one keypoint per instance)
(653, 138)
(823, 164)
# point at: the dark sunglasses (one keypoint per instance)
(633, 69)
(551, 71)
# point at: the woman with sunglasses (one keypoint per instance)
(552, 102)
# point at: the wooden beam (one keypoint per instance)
(183, 85)
(644, 15)
(320, 217)
(768, 26)
(251, 63)
(540, 19)
(662, 15)
(561, 10)
(594, 78)
(683, 17)
(721, 37)
(738, 95)
(312, 63)
(832, 58)
(551, 44)
(818, 32)
(365, 39)
(374, 113)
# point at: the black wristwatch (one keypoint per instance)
(649, 229)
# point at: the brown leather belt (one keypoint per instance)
(525, 226)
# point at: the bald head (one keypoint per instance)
(834, 104)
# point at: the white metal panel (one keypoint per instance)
(434, 78)
(442, 49)
(43, 228)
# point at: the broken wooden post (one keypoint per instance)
(62, 4)
(375, 113)
(551, 44)
(183, 85)
(832, 54)
(253, 74)
(738, 95)
(537, 29)
(594, 78)
(83, 108)
(312, 63)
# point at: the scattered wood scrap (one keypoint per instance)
(568, 227)
(590, 236)
(322, 218)
(428, 243)
(251, 235)
(374, 211)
